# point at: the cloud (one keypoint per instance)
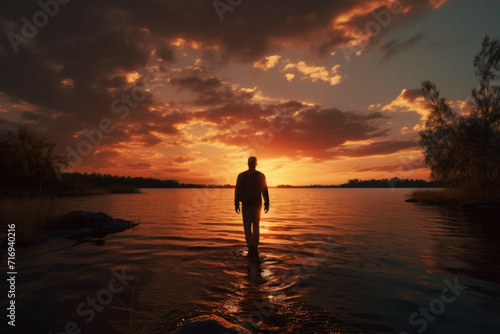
(405, 166)
(366, 23)
(304, 131)
(196, 84)
(463, 107)
(289, 76)
(209, 90)
(102, 159)
(315, 73)
(127, 36)
(139, 166)
(31, 116)
(183, 159)
(396, 46)
(376, 148)
(267, 62)
(71, 71)
(438, 3)
(308, 71)
(410, 100)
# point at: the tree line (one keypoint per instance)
(30, 164)
(394, 182)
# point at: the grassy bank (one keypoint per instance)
(31, 215)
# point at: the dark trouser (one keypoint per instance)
(251, 216)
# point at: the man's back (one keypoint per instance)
(249, 187)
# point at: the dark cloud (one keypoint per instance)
(411, 95)
(182, 159)
(275, 131)
(78, 64)
(101, 160)
(406, 166)
(396, 46)
(290, 129)
(252, 115)
(31, 116)
(196, 84)
(139, 165)
(209, 91)
(376, 148)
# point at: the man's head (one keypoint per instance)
(252, 162)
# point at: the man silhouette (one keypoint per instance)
(250, 187)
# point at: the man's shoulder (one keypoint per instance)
(250, 172)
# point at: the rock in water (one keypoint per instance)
(82, 219)
(210, 324)
(82, 225)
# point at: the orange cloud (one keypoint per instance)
(182, 159)
(410, 100)
(70, 86)
(267, 62)
(315, 73)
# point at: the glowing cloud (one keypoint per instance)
(267, 62)
(289, 76)
(410, 100)
(315, 73)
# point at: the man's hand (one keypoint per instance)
(237, 208)
(266, 208)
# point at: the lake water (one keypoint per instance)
(331, 261)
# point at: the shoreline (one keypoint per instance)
(455, 197)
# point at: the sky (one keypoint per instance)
(320, 91)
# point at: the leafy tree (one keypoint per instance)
(463, 150)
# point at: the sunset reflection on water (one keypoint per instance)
(331, 260)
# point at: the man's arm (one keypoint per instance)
(265, 193)
(237, 195)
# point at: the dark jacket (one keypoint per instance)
(250, 186)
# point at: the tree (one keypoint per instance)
(27, 159)
(463, 150)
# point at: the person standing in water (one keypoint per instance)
(251, 186)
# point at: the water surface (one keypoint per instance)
(331, 261)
